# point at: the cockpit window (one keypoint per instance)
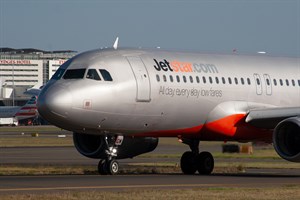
(61, 70)
(74, 74)
(106, 75)
(93, 74)
(58, 74)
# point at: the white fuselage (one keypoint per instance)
(160, 93)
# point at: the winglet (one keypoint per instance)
(115, 46)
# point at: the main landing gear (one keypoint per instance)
(192, 161)
(109, 165)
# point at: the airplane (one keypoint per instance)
(29, 110)
(119, 101)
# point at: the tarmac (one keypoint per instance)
(68, 156)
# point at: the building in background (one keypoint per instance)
(21, 69)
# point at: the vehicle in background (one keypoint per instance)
(9, 121)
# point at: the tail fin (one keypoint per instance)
(35, 90)
(29, 110)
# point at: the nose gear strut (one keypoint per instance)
(109, 165)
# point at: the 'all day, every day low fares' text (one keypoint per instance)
(196, 93)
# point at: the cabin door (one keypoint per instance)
(142, 78)
(268, 84)
(258, 84)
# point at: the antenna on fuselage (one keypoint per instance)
(115, 46)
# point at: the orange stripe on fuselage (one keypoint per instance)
(189, 132)
(232, 127)
(226, 126)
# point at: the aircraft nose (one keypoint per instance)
(54, 104)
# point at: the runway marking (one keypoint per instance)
(132, 186)
(108, 187)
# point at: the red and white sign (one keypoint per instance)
(15, 62)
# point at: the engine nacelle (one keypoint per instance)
(286, 139)
(94, 146)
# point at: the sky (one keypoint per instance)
(217, 26)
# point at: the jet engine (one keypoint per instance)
(286, 139)
(94, 146)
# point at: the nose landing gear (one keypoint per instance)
(192, 161)
(106, 167)
(110, 165)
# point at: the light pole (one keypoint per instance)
(13, 84)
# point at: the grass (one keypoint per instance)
(41, 141)
(257, 154)
(204, 193)
(138, 168)
(45, 170)
(29, 129)
(25, 136)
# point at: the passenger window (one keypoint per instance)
(191, 79)
(299, 82)
(204, 79)
(217, 80)
(268, 81)
(281, 82)
(74, 74)
(197, 79)
(171, 78)
(287, 82)
(248, 81)
(293, 82)
(257, 81)
(242, 81)
(210, 80)
(157, 78)
(164, 78)
(223, 80)
(275, 82)
(229, 80)
(236, 81)
(92, 74)
(184, 79)
(178, 79)
(106, 75)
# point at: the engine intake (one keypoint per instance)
(94, 146)
(286, 139)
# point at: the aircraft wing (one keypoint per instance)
(269, 117)
(33, 92)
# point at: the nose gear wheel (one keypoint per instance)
(110, 165)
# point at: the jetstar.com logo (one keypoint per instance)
(178, 66)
